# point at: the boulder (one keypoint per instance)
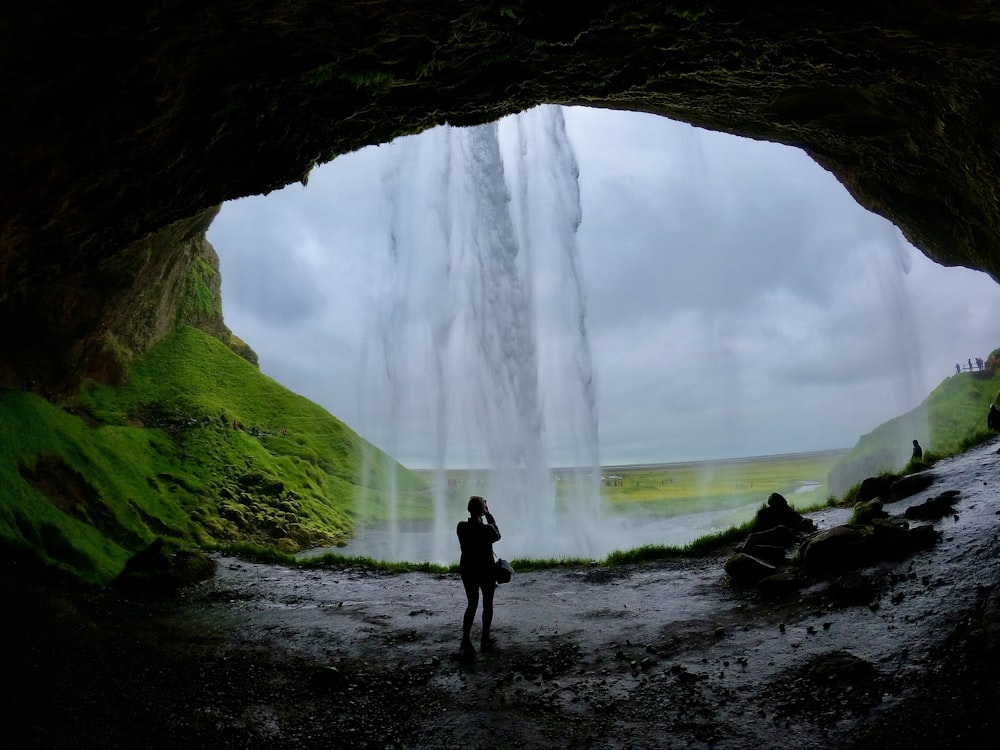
(768, 553)
(890, 539)
(874, 487)
(852, 589)
(778, 536)
(911, 484)
(839, 548)
(783, 582)
(922, 537)
(747, 569)
(770, 545)
(777, 512)
(932, 508)
(865, 512)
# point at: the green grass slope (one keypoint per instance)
(85, 484)
(950, 420)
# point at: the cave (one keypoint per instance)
(125, 130)
(127, 125)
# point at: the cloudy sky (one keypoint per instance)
(738, 301)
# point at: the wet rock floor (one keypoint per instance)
(902, 654)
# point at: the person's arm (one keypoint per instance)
(491, 523)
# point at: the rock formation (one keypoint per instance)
(125, 127)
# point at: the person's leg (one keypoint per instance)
(472, 597)
(489, 588)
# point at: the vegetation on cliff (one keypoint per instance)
(87, 483)
(950, 420)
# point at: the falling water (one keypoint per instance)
(892, 265)
(481, 331)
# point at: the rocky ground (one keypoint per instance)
(672, 654)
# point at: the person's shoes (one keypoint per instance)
(467, 649)
(487, 644)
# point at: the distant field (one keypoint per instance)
(675, 489)
(680, 488)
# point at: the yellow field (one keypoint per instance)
(667, 489)
(676, 489)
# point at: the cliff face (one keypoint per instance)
(124, 128)
(90, 321)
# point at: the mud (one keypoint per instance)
(671, 654)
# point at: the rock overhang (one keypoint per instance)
(126, 125)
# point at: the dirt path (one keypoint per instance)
(663, 655)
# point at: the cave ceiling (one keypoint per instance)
(126, 122)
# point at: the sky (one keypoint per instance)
(738, 301)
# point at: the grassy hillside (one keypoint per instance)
(951, 419)
(85, 484)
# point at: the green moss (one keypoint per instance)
(372, 80)
(200, 299)
(955, 416)
(88, 483)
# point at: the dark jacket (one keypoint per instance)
(477, 540)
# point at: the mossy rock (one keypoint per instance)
(866, 512)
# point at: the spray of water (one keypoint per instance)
(482, 341)
(892, 265)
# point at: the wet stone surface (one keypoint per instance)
(672, 654)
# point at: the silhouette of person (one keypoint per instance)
(918, 452)
(993, 418)
(958, 369)
(476, 537)
(970, 364)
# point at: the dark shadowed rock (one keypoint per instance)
(893, 539)
(778, 536)
(747, 569)
(777, 512)
(839, 548)
(922, 537)
(911, 484)
(865, 512)
(164, 567)
(770, 545)
(783, 582)
(932, 508)
(852, 589)
(769, 553)
(874, 487)
(839, 666)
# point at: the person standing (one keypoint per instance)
(918, 452)
(476, 537)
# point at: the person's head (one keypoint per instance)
(477, 506)
(915, 442)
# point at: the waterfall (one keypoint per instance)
(479, 344)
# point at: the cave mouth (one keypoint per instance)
(739, 301)
(678, 224)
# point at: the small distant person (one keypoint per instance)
(970, 364)
(918, 452)
(993, 418)
(958, 369)
(476, 537)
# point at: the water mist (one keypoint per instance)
(481, 335)
(892, 265)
